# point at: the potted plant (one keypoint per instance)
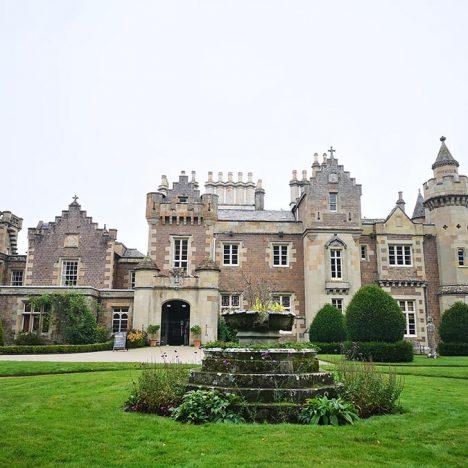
(196, 333)
(153, 334)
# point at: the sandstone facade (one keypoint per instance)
(203, 248)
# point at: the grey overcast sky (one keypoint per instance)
(100, 98)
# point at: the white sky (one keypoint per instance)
(102, 97)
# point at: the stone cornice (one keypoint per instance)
(451, 289)
(402, 283)
(439, 201)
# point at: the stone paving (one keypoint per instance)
(159, 354)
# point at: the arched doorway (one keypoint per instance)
(175, 323)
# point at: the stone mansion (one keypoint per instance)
(203, 244)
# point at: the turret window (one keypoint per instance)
(181, 253)
(461, 257)
(333, 201)
(400, 255)
(335, 263)
(132, 279)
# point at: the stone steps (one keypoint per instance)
(270, 380)
(271, 395)
(259, 366)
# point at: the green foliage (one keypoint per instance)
(373, 315)
(102, 334)
(453, 349)
(226, 332)
(28, 339)
(267, 305)
(368, 389)
(328, 348)
(152, 329)
(328, 411)
(158, 390)
(2, 342)
(56, 349)
(202, 406)
(259, 346)
(328, 326)
(72, 318)
(454, 324)
(402, 351)
(196, 330)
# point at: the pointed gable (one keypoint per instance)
(419, 211)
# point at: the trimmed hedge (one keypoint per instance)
(401, 351)
(328, 326)
(453, 349)
(328, 348)
(1, 333)
(454, 324)
(373, 315)
(56, 349)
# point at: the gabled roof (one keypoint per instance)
(132, 253)
(444, 158)
(419, 211)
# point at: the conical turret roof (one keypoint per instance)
(444, 158)
(419, 207)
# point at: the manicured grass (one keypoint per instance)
(419, 361)
(77, 419)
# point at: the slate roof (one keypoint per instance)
(444, 158)
(132, 253)
(256, 215)
(419, 207)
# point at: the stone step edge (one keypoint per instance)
(249, 389)
(275, 374)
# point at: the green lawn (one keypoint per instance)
(77, 419)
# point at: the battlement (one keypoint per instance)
(10, 225)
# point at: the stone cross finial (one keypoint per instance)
(442, 138)
(331, 151)
(75, 198)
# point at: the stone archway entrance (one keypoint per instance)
(175, 323)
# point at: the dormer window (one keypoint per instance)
(333, 201)
(183, 199)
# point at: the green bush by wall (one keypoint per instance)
(454, 324)
(401, 351)
(373, 315)
(56, 349)
(328, 326)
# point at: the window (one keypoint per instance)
(400, 255)
(181, 253)
(335, 260)
(461, 257)
(333, 201)
(119, 319)
(230, 301)
(364, 252)
(35, 321)
(284, 300)
(69, 272)
(17, 278)
(338, 303)
(280, 255)
(183, 199)
(407, 308)
(231, 254)
(132, 279)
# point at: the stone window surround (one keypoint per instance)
(189, 239)
(224, 244)
(132, 278)
(41, 313)
(241, 256)
(281, 295)
(288, 246)
(291, 254)
(121, 311)
(15, 281)
(417, 311)
(333, 203)
(230, 306)
(398, 242)
(339, 301)
(364, 252)
(335, 243)
(61, 263)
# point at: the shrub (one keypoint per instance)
(152, 329)
(373, 315)
(158, 390)
(2, 342)
(260, 346)
(83, 329)
(328, 326)
(136, 338)
(328, 348)
(102, 334)
(28, 339)
(56, 349)
(453, 349)
(196, 330)
(328, 411)
(369, 390)
(454, 324)
(226, 332)
(202, 406)
(402, 351)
